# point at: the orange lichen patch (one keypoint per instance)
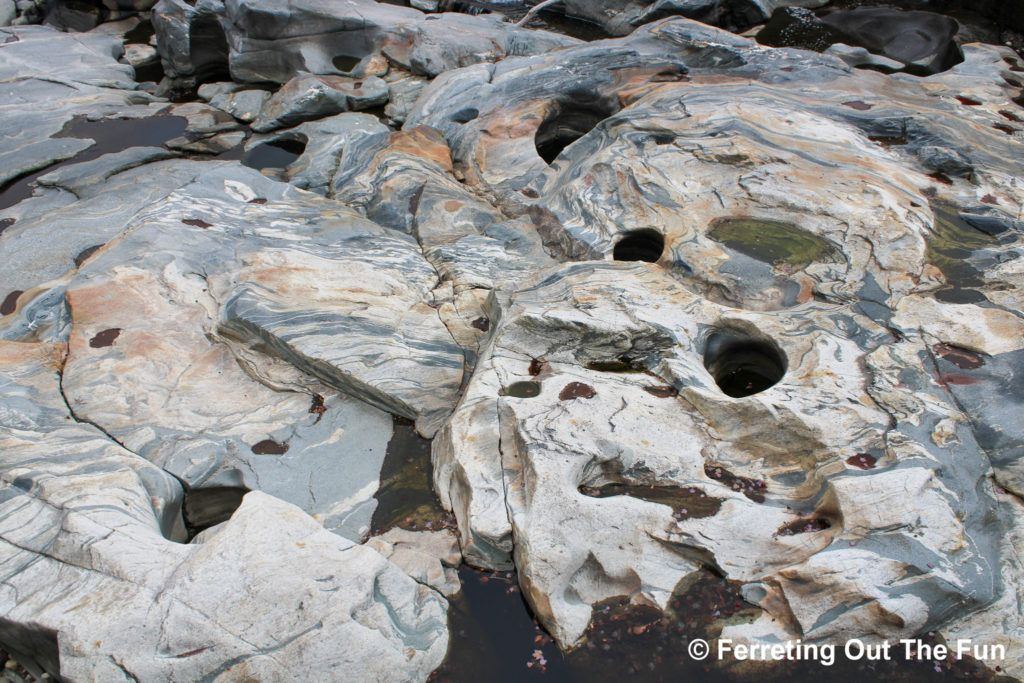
(452, 205)
(423, 142)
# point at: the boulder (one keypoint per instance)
(90, 529)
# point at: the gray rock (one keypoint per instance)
(620, 17)
(307, 97)
(89, 528)
(325, 142)
(244, 105)
(228, 254)
(8, 11)
(270, 42)
(88, 80)
(945, 160)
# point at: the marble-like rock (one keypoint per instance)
(324, 142)
(828, 322)
(91, 530)
(108, 192)
(596, 157)
(315, 284)
(622, 483)
(307, 97)
(262, 40)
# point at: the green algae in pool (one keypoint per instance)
(948, 247)
(406, 496)
(774, 242)
(521, 390)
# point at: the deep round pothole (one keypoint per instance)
(567, 124)
(645, 244)
(743, 366)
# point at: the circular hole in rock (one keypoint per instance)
(275, 154)
(346, 63)
(567, 124)
(640, 245)
(207, 507)
(743, 366)
(465, 115)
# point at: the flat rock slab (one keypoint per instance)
(88, 79)
(88, 529)
(145, 365)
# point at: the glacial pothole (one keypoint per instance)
(645, 244)
(742, 366)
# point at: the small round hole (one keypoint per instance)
(743, 367)
(640, 245)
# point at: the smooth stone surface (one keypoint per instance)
(307, 97)
(430, 557)
(87, 80)
(620, 17)
(88, 528)
(271, 42)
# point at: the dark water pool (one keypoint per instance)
(110, 135)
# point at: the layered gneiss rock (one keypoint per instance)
(89, 530)
(786, 349)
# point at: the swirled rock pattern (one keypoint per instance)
(670, 303)
(92, 569)
(704, 154)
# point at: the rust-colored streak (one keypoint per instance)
(197, 223)
(661, 391)
(958, 356)
(10, 302)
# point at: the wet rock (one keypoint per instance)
(920, 42)
(923, 41)
(307, 97)
(430, 557)
(89, 524)
(88, 80)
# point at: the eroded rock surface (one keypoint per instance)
(671, 303)
(90, 529)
